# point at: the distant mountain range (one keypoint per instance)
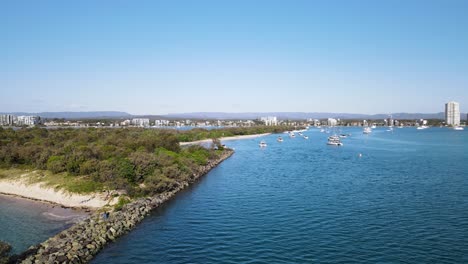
(304, 115)
(77, 115)
(227, 116)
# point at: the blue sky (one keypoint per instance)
(157, 57)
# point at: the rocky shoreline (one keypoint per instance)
(82, 241)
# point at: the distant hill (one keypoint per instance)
(77, 115)
(236, 116)
(305, 115)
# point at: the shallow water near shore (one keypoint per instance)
(405, 200)
(24, 223)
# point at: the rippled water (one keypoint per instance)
(301, 201)
(24, 223)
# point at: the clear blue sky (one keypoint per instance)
(157, 57)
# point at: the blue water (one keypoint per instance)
(24, 223)
(301, 201)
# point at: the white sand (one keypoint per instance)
(38, 191)
(224, 139)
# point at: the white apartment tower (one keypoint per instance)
(452, 114)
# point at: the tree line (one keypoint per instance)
(140, 161)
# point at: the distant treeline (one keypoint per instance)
(141, 161)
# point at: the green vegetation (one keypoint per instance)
(139, 161)
(122, 201)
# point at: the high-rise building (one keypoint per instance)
(269, 120)
(452, 113)
(141, 122)
(332, 121)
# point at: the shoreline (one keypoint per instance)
(225, 139)
(82, 241)
(38, 192)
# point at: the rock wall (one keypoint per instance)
(82, 241)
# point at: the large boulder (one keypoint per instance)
(5, 249)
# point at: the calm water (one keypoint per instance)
(24, 223)
(404, 201)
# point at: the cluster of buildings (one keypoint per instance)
(452, 118)
(13, 120)
(269, 120)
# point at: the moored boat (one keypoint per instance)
(367, 130)
(334, 141)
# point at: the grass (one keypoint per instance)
(60, 181)
(13, 173)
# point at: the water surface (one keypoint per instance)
(24, 223)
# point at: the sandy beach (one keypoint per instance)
(224, 139)
(38, 191)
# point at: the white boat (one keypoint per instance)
(322, 130)
(306, 137)
(373, 126)
(367, 130)
(423, 125)
(292, 135)
(334, 141)
(458, 128)
(262, 144)
(279, 139)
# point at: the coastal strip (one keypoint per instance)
(224, 139)
(40, 192)
(82, 241)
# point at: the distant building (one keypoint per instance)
(269, 120)
(27, 120)
(332, 122)
(161, 122)
(7, 120)
(141, 122)
(452, 114)
(10, 120)
(125, 122)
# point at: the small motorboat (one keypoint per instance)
(279, 139)
(262, 144)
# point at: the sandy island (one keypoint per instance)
(224, 139)
(40, 192)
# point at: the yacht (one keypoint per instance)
(262, 144)
(367, 130)
(422, 127)
(334, 141)
(458, 128)
(279, 139)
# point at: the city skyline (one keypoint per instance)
(177, 57)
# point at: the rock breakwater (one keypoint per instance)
(82, 241)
